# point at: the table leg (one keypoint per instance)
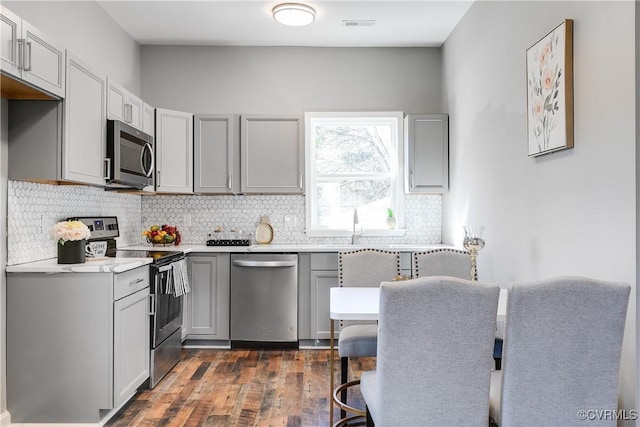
(331, 368)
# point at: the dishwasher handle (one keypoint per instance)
(267, 264)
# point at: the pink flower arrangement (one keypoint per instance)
(70, 230)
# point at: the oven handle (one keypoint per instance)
(268, 264)
(152, 304)
(164, 268)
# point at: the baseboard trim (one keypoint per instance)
(5, 419)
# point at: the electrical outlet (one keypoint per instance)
(289, 221)
(186, 220)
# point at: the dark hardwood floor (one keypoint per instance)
(242, 388)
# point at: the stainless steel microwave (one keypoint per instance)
(130, 156)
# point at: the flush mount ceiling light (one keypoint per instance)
(294, 14)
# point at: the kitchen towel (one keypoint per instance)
(180, 278)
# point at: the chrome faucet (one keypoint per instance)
(356, 234)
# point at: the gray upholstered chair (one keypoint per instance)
(562, 346)
(435, 344)
(366, 268)
(443, 262)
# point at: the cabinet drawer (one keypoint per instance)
(324, 261)
(130, 281)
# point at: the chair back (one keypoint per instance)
(443, 262)
(367, 267)
(561, 354)
(435, 347)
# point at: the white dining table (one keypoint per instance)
(362, 303)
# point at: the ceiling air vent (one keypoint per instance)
(358, 22)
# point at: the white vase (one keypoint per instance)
(391, 222)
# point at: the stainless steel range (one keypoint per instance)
(165, 310)
(168, 283)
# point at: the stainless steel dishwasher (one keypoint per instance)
(264, 299)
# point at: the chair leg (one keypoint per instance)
(344, 368)
(370, 422)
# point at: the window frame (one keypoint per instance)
(397, 181)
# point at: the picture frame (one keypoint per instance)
(550, 91)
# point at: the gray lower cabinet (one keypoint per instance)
(427, 153)
(216, 154)
(318, 273)
(206, 307)
(77, 344)
(272, 154)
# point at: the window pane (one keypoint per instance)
(354, 149)
(336, 200)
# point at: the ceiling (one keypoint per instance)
(417, 23)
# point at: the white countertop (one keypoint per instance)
(286, 248)
(118, 265)
(93, 265)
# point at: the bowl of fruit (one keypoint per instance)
(162, 235)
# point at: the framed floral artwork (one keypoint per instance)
(550, 91)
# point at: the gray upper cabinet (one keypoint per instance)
(124, 106)
(148, 119)
(216, 154)
(427, 153)
(174, 151)
(85, 125)
(272, 154)
(29, 55)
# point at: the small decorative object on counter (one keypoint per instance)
(163, 235)
(391, 219)
(72, 240)
(264, 232)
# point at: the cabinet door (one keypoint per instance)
(124, 106)
(148, 119)
(130, 345)
(321, 282)
(10, 32)
(116, 99)
(215, 154)
(272, 154)
(427, 166)
(207, 305)
(85, 119)
(174, 151)
(44, 62)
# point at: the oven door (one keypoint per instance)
(166, 314)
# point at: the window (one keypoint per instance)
(354, 161)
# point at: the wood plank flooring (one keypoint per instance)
(242, 388)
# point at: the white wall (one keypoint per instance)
(88, 31)
(567, 213)
(291, 80)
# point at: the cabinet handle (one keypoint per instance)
(411, 178)
(157, 179)
(128, 113)
(107, 162)
(229, 181)
(134, 282)
(152, 304)
(27, 57)
(20, 53)
(300, 181)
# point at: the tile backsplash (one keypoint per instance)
(197, 216)
(34, 208)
